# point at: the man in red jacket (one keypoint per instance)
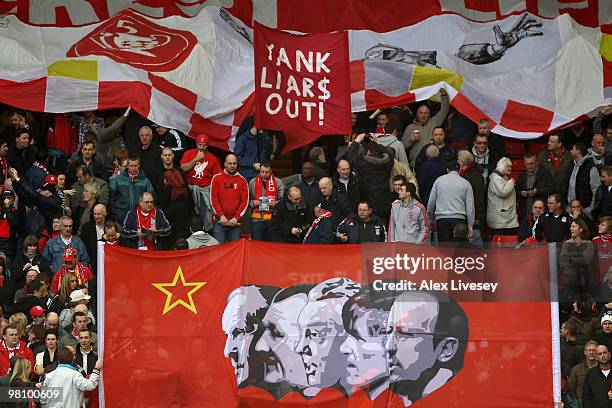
(11, 346)
(200, 167)
(229, 195)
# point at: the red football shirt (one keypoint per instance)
(202, 173)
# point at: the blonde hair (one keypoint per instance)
(64, 292)
(20, 321)
(21, 370)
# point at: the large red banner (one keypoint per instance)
(255, 324)
(302, 82)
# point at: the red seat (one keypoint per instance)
(518, 166)
(499, 241)
(536, 148)
(515, 149)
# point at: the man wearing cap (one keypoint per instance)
(71, 265)
(200, 167)
(55, 248)
(79, 301)
(605, 337)
(37, 313)
(451, 202)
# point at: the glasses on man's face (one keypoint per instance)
(148, 202)
(482, 143)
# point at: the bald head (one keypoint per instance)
(99, 214)
(52, 320)
(325, 187)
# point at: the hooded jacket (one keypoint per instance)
(392, 142)
(200, 239)
(408, 222)
(374, 173)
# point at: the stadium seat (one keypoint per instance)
(518, 166)
(515, 149)
(536, 148)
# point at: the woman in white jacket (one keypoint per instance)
(501, 200)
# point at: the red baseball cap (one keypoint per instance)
(69, 254)
(37, 311)
(51, 179)
(202, 138)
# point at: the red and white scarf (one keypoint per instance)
(41, 166)
(144, 221)
(11, 351)
(325, 214)
(82, 273)
(271, 192)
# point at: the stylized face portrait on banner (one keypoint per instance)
(302, 82)
(257, 324)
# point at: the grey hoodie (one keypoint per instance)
(201, 239)
(392, 142)
(408, 222)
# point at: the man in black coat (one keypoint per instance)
(554, 226)
(346, 183)
(333, 201)
(374, 170)
(21, 155)
(291, 218)
(535, 183)
(596, 389)
(470, 171)
(149, 153)
(603, 197)
(92, 232)
(365, 227)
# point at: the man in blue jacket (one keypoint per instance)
(252, 148)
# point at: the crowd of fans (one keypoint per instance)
(68, 181)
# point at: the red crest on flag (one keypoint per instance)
(132, 39)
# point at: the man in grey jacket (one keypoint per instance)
(199, 238)
(451, 202)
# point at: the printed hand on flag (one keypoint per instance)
(522, 29)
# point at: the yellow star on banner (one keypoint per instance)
(171, 305)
